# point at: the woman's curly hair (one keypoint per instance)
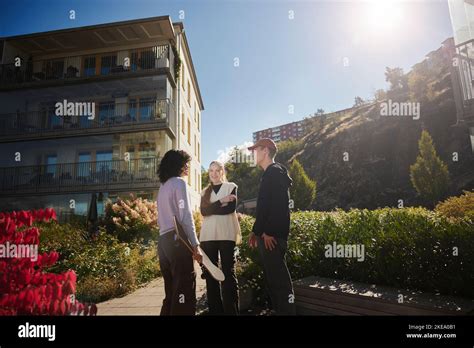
(172, 164)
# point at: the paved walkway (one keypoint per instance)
(146, 300)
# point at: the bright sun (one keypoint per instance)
(384, 15)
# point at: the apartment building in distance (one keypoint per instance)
(93, 110)
(293, 130)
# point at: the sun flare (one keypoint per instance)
(383, 15)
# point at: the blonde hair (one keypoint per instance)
(206, 198)
(221, 167)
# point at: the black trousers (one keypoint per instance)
(177, 268)
(223, 299)
(277, 277)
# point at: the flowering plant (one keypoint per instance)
(25, 287)
(132, 219)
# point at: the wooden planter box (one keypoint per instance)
(323, 296)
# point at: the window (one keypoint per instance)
(134, 60)
(189, 174)
(199, 121)
(147, 59)
(189, 94)
(147, 105)
(55, 121)
(132, 110)
(106, 112)
(107, 63)
(195, 145)
(84, 165)
(54, 69)
(183, 124)
(189, 131)
(195, 111)
(104, 160)
(51, 161)
(89, 66)
(146, 163)
(199, 152)
(182, 76)
(196, 179)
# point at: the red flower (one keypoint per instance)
(25, 288)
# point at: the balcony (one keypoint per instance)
(108, 176)
(87, 68)
(464, 62)
(141, 114)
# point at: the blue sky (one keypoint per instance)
(308, 54)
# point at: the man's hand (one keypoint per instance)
(269, 242)
(252, 240)
(197, 255)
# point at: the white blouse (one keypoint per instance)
(221, 227)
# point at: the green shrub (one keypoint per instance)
(249, 268)
(458, 207)
(197, 217)
(99, 289)
(303, 190)
(405, 248)
(105, 267)
(144, 262)
(429, 175)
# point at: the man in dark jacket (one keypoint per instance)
(272, 226)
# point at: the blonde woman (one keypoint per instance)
(220, 233)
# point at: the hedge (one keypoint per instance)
(411, 248)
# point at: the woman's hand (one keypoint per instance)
(197, 255)
(227, 199)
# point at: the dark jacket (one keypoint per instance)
(273, 212)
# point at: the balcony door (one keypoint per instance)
(106, 113)
(54, 122)
(84, 165)
(103, 165)
(143, 59)
(103, 161)
(142, 110)
(54, 69)
(89, 66)
(132, 110)
(147, 164)
(107, 63)
(147, 109)
(51, 162)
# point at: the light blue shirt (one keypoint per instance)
(173, 200)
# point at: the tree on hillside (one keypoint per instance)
(420, 87)
(286, 149)
(395, 77)
(303, 190)
(380, 95)
(429, 174)
(319, 112)
(358, 101)
(246, 177)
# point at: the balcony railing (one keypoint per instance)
(464, 62)
(138, 114)
(86, 66)
(80, 176)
